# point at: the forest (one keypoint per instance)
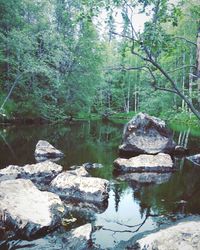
(84, 59)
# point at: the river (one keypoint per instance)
(132, 208)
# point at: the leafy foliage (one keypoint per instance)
(55, 63)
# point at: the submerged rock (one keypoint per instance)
(40, 173)
(194, 159)
(29, 211)
(86, 210)
(145, 163)
(76, 239)
(185, 235)
(90, 165)
(146, 178)
(44, 150)
(69, 185)
(82, 233)
(146, 134)
(180, 150)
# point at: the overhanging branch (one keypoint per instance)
(185, 39)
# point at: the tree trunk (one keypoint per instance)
(198, 64)
(190, 76)
(183, 83)
(135, 98)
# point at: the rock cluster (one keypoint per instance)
(40, 173)
(78, 238)
(149, 139)
(149, 143)
(28, 212)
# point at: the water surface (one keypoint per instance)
(132, 208)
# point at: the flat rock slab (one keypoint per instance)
(39, 173)
(146, 178)
(183, 236)
(28, 210)
(45, 150)
(194, 159)
(70, 185)
(145, 163)
(146, 134)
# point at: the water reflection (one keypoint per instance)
(80, 142)
(135, 179)
(134, 199)
(166, 198)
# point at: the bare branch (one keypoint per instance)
(11, 89)
(139, 55)
(121, 35)
(179, 93)
(122, 68)
(185, 39)
(130, 226)
(127, 231)
(167, 90)
(133, 31)
(185, 66)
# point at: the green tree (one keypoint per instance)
(157, 43)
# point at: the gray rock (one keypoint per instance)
(80, 171)
(27, 210)
(86, 210)
(46, 158)
(194, 159)
(76, 239)
(89, 165)
(40, 173)
(44, 150)
(146, 178)
(185, 235)
(71, 186)
(146, 134)
(82, 232)
(145, 163)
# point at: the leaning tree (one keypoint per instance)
(155, 40)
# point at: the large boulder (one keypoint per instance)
(194, 159)
(76, 185)
(44, 150)
(146, 134)
(40, 173)
(27, 210)
(185, 235)
(145, 163)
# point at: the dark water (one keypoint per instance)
(132, 208)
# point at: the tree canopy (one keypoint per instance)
(64, 58)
